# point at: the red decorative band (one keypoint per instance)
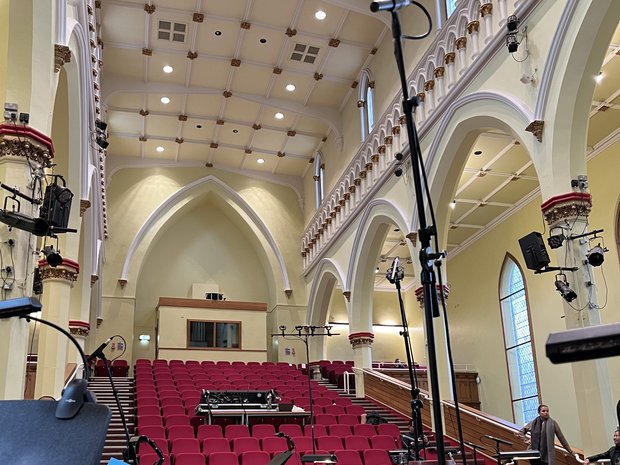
(65, 262)
(361, 334)
(26, 131)
(79, 324)
(577, 197)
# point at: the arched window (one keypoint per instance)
(365, 104)
(518, 343)
(450, 7)
(319, 168)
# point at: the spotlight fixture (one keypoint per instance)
(159, 148)
(102, 142)
(512, 23)
(562, 286)
(596, 255)
(512, 42)
(101, 137)
(52, 257)
(101, 125)
(282, 328)
(555, 241)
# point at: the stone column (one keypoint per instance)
(449, 61)
(438, 73)
(486, 11)
(53, 346)
(420, 112)
(590, 378)
(361, 343)
(473, 29)
(24, 152)
(429, 87)
(461, 47)
(503, 12)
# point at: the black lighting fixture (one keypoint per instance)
(512, 41)
(52, 256)
(534, 251)
(596, 255)
(562, 286)
(398, 171)
(555, 240)
(56, 205)
(101, 136)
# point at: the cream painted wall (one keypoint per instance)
(474, 308)
(119, 320)
(4, 43)
(289, 316)
(172, 324)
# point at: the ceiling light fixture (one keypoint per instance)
(260, 161)
(218, 33)
(453, 205)
(168, 69)
(599, 77)
(159, 148)
(290, 87)
(478, 153)
(320, 15)
(279, 115)
(165, 100)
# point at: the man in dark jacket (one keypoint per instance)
(543, 430)
(612, 454)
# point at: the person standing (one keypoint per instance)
(612, 454)
(543, 430)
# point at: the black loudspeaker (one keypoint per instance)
(587, 343)
(56, 206)
(30, 433)
(534, 251)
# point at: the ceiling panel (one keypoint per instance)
(203, 105)
(123, 146)
(481, 187)
(291, 166)
(329, 94)
(251, 162)
(484, 215)
(164, 126)
(178, 62)
(254, 49)
(149, 149)
(302, 145)
(458, 235)
(267, 138)
(121, 62)
(228, 157)
(193, 152)
(303, 84)
(361, 28)
(312, 125)
(210, 73)
(602, 124)
(608, 85)
(122, 24)
(250, 79)
(512, 161)
(126, 100)
(241, 110)
(193, 132)
(154, 103)
(232, 8)
(345, 62)
(515, 191)
(274, 12)
(227, 135)
(308, 23)
(208, 42)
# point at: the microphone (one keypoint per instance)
(99, 351)
(472, 445)
(501, 441)
(389, 5)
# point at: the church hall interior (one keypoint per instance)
(241, 168)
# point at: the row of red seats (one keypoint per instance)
(260, 431)
(120, 368)
(345, 457)
(189, 363)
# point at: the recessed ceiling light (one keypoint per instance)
(165, 100)
(199, 126)
(218, 33)
(320, 15)
(168, 69)
(263, 40)
(159, 148)
(478, 153)
(599, 77)
(279, 115)
(453, 205)
(235, 131)
(260, 161)
(290, 87)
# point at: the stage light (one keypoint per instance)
(512, 23)
(564, 289)
(555, 241)
(100, 125)
(52, 257)
(512, 42)
(596, 255)
(282, 328)
(101, 142)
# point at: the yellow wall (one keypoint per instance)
(172, 324)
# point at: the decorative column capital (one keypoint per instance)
(67, 271)
(27, 142)
(419, 293)
(486, 9)
(361, 339)
(460, 42)
(62, 55)
(413, 237)
(421, 96)
(566, 207)
(536, 127)
(439, 72)
(84, 205)
(388, 140)
(79, 328)
(402, 120)
(449, 58)
(396, 130)
(429, 85)
(347, 295)
(473, 26)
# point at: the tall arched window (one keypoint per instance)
(319, 168)
(450, 7)
(518, 343)
(365, 103)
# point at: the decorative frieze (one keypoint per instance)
(62, 55)
(536, 127)
(361, 339)
(84, 205)
(26, 142)
(67, 271)
(79, 328)
(419, 293)
(566, 207)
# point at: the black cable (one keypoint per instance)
(428, 18)
(66, 333)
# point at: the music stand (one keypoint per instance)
(30, 433)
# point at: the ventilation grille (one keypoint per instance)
(171, 31)
(305, 53)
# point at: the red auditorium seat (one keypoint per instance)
(340, 431)
(325, 419)
(365, 429)
(222, 458)
(211, 445)
(356, 442)
(236, 431)
(334, 409)
(319, 430)
(240, 445)
(152, 432)
(348, 457)
(153, 458)
(263, 430)
(171, 401)
(179, 431)
(255, 457)
(291, 430)
(173, 420)
(120, 368)
(303, 444)
(383, 441)
(348, 419)
(188, 459)
(390, 429)
(183, 445)
(322, 402)
(169, 410)
(356, 410)
(329, 443)
(149, 420)
(148, 409)
(344, 401)
(273, 445)
(376, 457)
(209, 431)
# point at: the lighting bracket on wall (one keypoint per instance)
(514, 37)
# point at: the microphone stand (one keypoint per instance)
(425, 232)
(303, 333)
(394, 275)
(129, 453)
(475, 447)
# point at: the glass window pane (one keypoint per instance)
(525, 410)
(201, 334)
(227, 335)
(450, 6)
